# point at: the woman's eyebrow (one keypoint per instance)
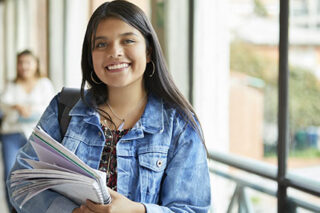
(121, 35)
(100, 37)
(128, 34)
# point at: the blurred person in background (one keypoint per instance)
(22, 103)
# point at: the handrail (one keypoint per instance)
(303, 184)
(267, 171)
(241, 181)
(246, 164)
(265, 189)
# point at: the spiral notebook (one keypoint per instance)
(60, 170)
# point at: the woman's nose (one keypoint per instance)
(24, 65)
(115, 51)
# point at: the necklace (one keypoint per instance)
(117, 116)
(123, 120)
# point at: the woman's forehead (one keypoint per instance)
(26, 56)
(115, 25)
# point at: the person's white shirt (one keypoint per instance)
(37, 99)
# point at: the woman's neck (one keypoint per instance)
(122, 98)
(27, 80)
(125, 105)
(27, 83)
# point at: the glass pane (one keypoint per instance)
(304, 90)
(309, 200)
(253, 79)
(250, 87)
(234, 189)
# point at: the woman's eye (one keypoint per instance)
(101, 45)
(129, 41)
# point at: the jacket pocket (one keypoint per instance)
(152, 165)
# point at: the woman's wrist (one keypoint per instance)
(139, 208)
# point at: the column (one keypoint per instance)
(211, 85)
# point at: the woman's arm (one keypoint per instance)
(47, 201)
(7, 103)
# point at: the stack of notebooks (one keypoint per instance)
(60, 170)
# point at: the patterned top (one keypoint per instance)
(108, 162)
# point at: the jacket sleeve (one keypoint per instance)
(186, 183)
(47, 201)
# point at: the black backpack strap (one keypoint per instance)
(67, 99)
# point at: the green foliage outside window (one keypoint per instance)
(304, 86)
(259, 8)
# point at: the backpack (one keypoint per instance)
(67, 99)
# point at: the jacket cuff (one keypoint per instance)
(153, 208)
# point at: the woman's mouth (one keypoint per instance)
(117, 67)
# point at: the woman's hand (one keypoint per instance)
(119, 204)
(24, 111)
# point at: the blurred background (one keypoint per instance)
(223, 54)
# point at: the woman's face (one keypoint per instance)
(120, 55)
(27, 66)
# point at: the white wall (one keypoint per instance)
(10, 39)
(211, 71)
(211, 84)
(19, 27)
(76, 22)
(2, 72)
(56, 43)
(67, 25)
(177, 38)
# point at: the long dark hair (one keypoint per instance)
(28, 52)
(160, 84)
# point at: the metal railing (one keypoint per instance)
(266, 171)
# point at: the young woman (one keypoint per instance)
(22, 103)
(132, 123)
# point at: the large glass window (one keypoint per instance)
(250, 69)
(304, 90)
(253, 38)
(253, 79)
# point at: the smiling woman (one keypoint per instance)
(119, 55)
(131, 123)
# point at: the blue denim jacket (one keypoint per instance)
(161, 161)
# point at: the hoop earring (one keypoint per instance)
(94, 81)
(153, 69)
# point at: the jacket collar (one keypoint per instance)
(151, 120)
(81, 109)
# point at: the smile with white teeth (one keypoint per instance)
(118, 66)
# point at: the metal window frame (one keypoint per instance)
(283, 105)
(279, 173)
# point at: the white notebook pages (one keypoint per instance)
(60, 170)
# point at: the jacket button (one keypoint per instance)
(99, 133)
(159, 163)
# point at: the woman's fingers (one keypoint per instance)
(98, 208)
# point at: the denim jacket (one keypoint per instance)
(161, 161)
